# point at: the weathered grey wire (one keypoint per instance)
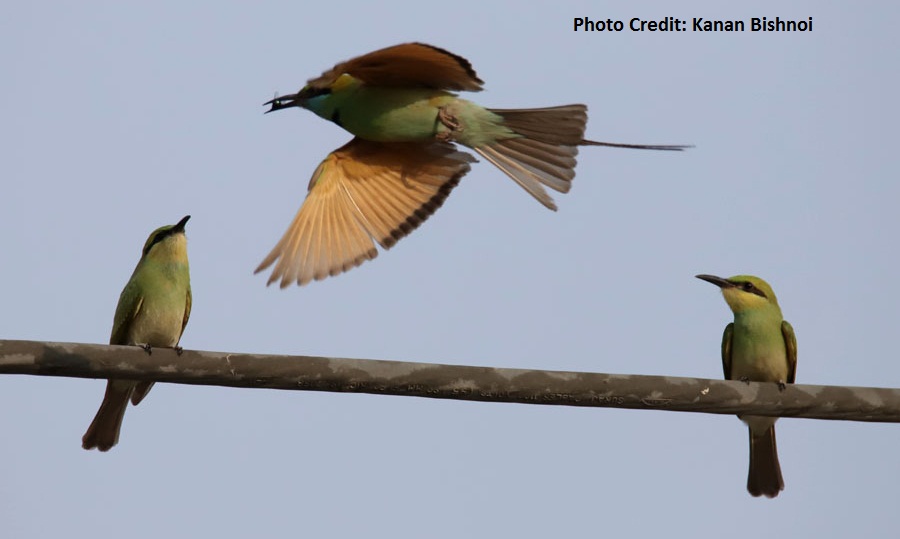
(486, 384)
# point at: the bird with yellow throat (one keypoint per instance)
(152, 312)
(758, 346)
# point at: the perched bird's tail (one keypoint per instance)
(764, 478)
(103, 433)
(545, 153)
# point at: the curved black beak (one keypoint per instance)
(718, 281)
(283, 102)
(179, 227)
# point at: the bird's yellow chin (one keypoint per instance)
(172, 248)
(739, 300)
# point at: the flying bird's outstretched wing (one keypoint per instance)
(406, 65)
(363, 191)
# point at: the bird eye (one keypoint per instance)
(748, 287)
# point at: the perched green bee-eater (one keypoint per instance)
(400, 166)
(759, 346)
(153, 309)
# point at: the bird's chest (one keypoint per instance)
(758, 352)
(160, 319)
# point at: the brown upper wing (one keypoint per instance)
(363, 191)
(409, 65)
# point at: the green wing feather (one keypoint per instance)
(187, 312)
(790, 346)
(726, 350)
(130, 302)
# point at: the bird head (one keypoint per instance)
(167, 242)
(314, 95)
(743, 292)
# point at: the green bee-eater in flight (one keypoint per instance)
(758, 346)
(153, 310)
(399, 168)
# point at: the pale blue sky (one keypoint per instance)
(118, 119)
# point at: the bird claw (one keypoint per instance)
(451, 123)
(179, 350)
(745, 380)
(781, 385)
(147, 349)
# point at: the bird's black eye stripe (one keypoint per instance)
(158, 238)
(749, 287)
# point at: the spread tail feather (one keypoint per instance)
(544, 153)
(764, 477)
(663, 147)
